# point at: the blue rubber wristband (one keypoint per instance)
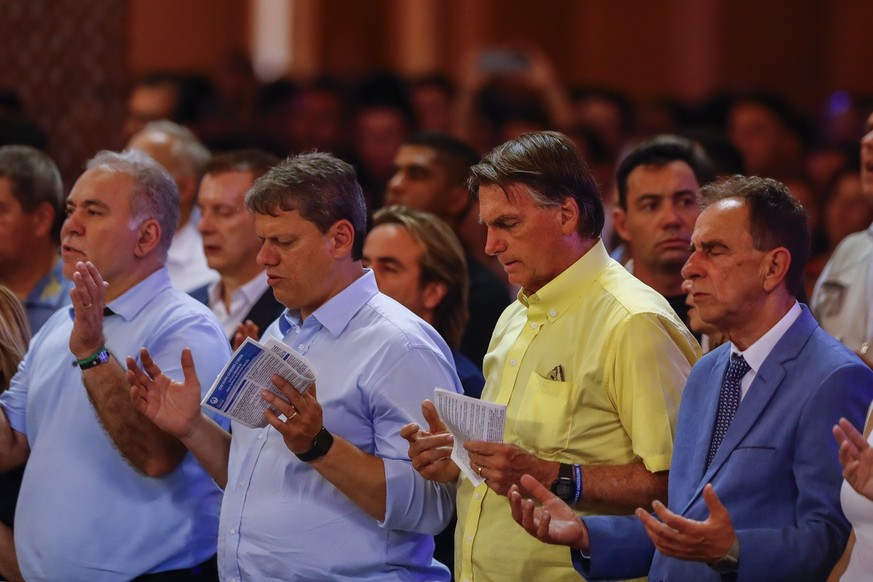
(577, 477)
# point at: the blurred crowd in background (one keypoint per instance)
(496, 95)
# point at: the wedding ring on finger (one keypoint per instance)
(480, 471)
(292, 415)
(88, 306)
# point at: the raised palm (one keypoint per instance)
(172, 406)
(856, 456)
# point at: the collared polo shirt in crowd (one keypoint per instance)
(591, 368)
(50, 294)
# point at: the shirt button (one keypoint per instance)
(511, 362)
(478, 496)
(469, 538)
(300, 347)
(553, 313)
(533, 326)
(232, 532)
(261, 437)
(242, 483)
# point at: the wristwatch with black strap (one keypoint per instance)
(565, 485)
(730, 562)
(320, 446)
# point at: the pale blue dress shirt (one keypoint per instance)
(84, 513)
(281, 520)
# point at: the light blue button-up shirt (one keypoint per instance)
(280, 519)
(83, 512)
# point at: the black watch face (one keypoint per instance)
(321, 443)
(564, 490)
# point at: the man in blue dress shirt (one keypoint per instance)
(326, 490)
(107, 495)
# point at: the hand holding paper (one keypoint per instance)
(469, 419)
(236, 392)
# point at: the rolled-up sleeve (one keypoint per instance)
(412, 503)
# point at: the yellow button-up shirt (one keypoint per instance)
(591, 368)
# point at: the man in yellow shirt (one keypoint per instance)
(590, 362)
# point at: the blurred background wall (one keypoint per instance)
(71, 61)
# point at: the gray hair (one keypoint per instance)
(189, 156)
(154, 194)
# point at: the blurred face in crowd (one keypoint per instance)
(760, 137)
(420, 181)
(848, 210)
(393, 255)
(379, 133)
(19, 228)
(661, 211)
(227, 228)
(149, 103)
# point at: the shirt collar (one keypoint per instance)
(336, 313)
(756, 353)
(251, 291)
(556, 296)
(135, 299)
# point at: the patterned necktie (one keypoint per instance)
(728, 402)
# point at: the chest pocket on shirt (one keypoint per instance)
(545, 416)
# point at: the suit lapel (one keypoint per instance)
(265, 310)
(768, 379)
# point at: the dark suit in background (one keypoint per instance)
(265, 310)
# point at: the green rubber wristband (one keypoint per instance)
(101, 356)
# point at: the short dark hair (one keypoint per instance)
(455, 155)
(776, 219)
(442, 261)
(35, 179)
(550, 164)
(257, 162)
(660, 151)
(322, 188)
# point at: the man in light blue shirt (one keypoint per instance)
(106, 494)
(345, 503)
